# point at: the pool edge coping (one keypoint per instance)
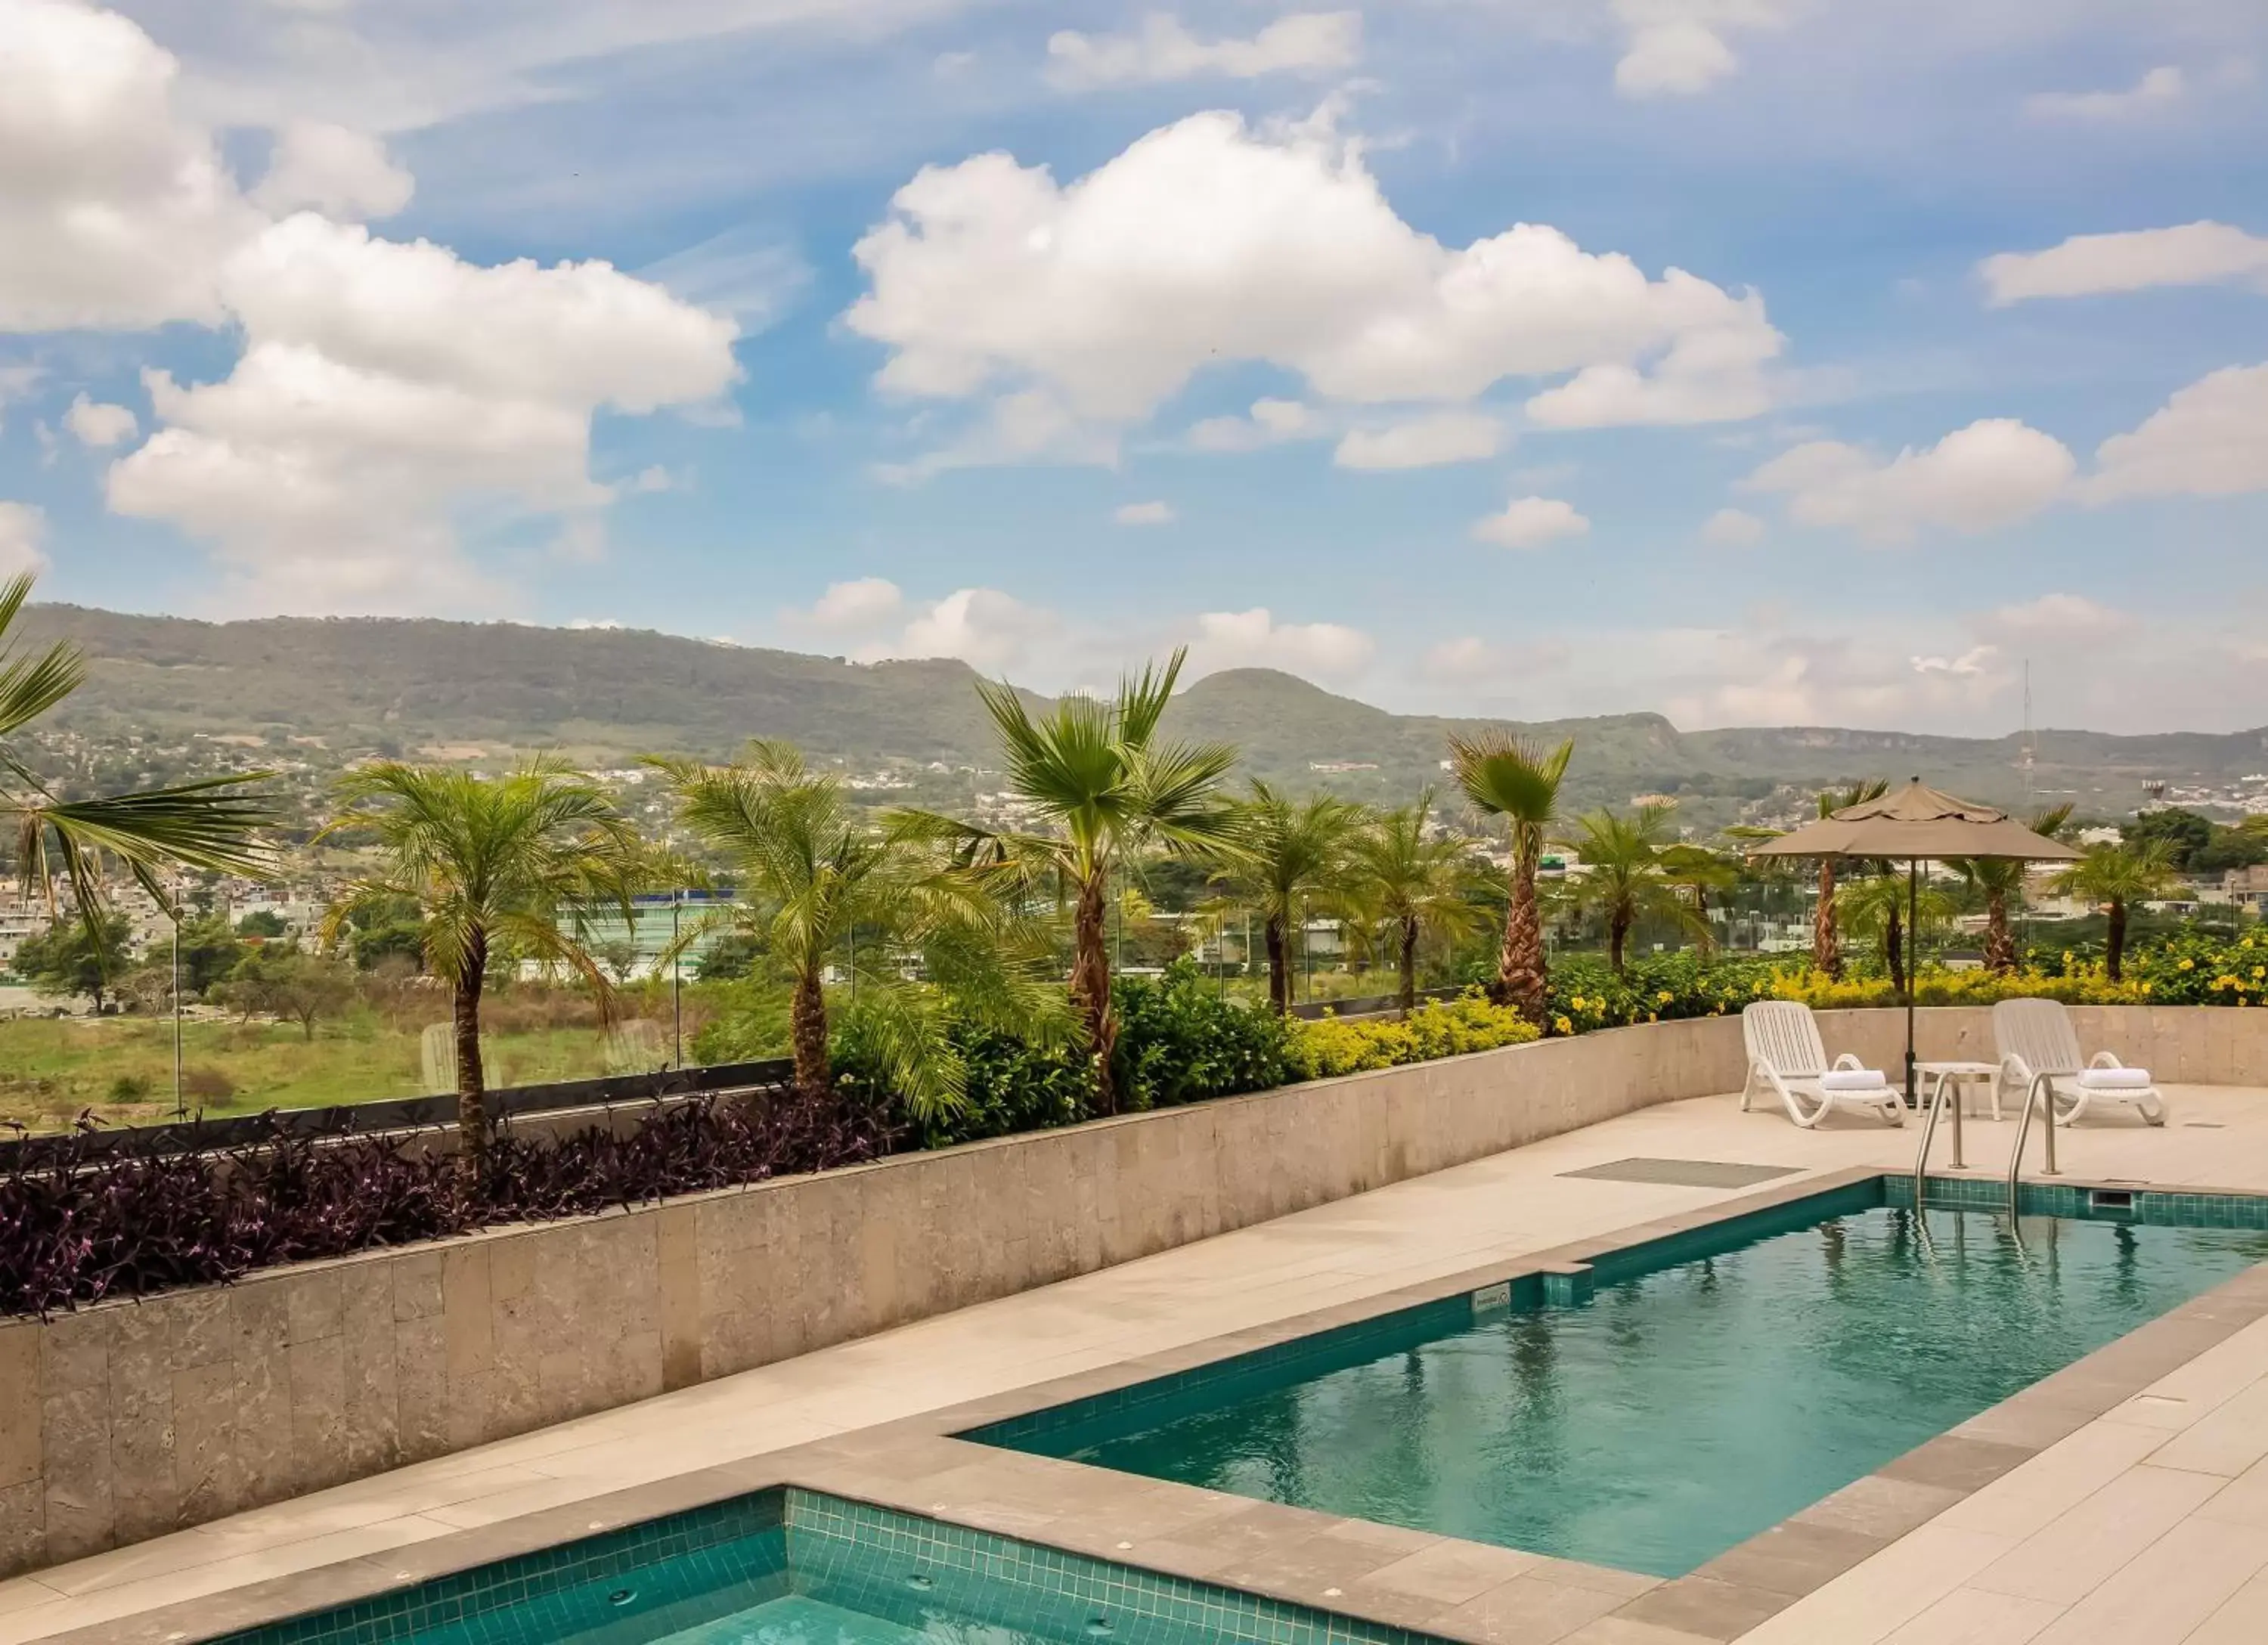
(901, 1465)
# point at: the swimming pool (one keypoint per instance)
(1674, 1399)
(790, 1567)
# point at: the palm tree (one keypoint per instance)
(1623, 876)
(1287, 854)
(1415, 887)
(2115, 875)
(496, 868)
(211, 824)
(1874, 908)
(812, 878)
(1696, 870)
(1505, 775)
(1826, 941)
(1098, 771)
(2000, 880)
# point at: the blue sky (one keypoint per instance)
(1258, 362)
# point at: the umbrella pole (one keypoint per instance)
(1913, 962)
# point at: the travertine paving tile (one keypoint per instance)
(2081, 1547)
(1973, 1616)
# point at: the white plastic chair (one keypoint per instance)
(2035, 1037)
(1786, 1058)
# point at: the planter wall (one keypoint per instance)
(131, 1419)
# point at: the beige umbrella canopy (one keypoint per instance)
(1917, 824)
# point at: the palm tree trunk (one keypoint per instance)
(1279, 973)
(1999, 941)
(472, 1083)
(2115, 939)
(1090, 986)
(1618, 924)
(807, 1032)
(1520, 975)
(1826, 942)
(1894, 949)
(1409, 965)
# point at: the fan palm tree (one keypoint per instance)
(1874, 908)
(2000, 882)
(1826, 939)
(812, 877)
(1099, 772)
(2114, 877)
(1413, 886)
(1696, 870)
(1505, 775)
(1622, 877)
(496, 868)
(212, 824)
(1287, 854)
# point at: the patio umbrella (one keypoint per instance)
(1917, 824)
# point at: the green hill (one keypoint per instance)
(604, 695)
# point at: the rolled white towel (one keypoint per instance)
(1851, 1080)
(2115, 1078)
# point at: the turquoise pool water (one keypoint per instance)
(1685, 1407)
(798, 1568)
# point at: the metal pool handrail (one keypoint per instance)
(2043, 1092)
(1929, 1135)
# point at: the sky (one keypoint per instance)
(1754, 362)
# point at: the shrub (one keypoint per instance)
(207, 1084)
(1328, 1047)
(1180, 1041)
(131, 1088)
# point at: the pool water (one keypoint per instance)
(798, 1620)
(1675, 1413)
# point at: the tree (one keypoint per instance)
(2000, 882)
(210, 951)
(820, 890)
(291, 985)
(1508, 777)
(1875, 908)
(72, 958)
(2182, 833)
(211, 824)
(494, 866)
(1622, 880)
(261, 922)
(2113, 876)
(1098, 771)
(1696, 870)
(1415, 887)
(1287, 854)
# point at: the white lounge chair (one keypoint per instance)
(2035, 1036)
(1786, 1058)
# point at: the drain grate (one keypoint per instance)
(1684, 1173)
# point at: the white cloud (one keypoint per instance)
(2157, 88)
(387, 390)
(95, 424)
(1206, 243)
(2209, 440)
(652, 477)
(1529, 522)
(857, 607)
(982, 626)
(22, 539)
(1150, 513)
(2194, 253)
(1425, 442)
(1253, 638)
(2065, 617)
(114, 212)
(1992, 473)
(1677, 47)
(330, 169)
(1303, 42)
(1732, 528)
(1978, 662)
(748, 272)
(1271, 423)
(1465, 659)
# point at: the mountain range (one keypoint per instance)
(480, 691)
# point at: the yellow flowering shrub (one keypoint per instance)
(1440, 1028)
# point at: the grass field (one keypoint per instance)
(122, 1067)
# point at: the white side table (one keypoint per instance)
(1931, 1080)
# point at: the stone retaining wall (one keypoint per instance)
(131, 1419)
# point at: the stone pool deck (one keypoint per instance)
(2133, 1507)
